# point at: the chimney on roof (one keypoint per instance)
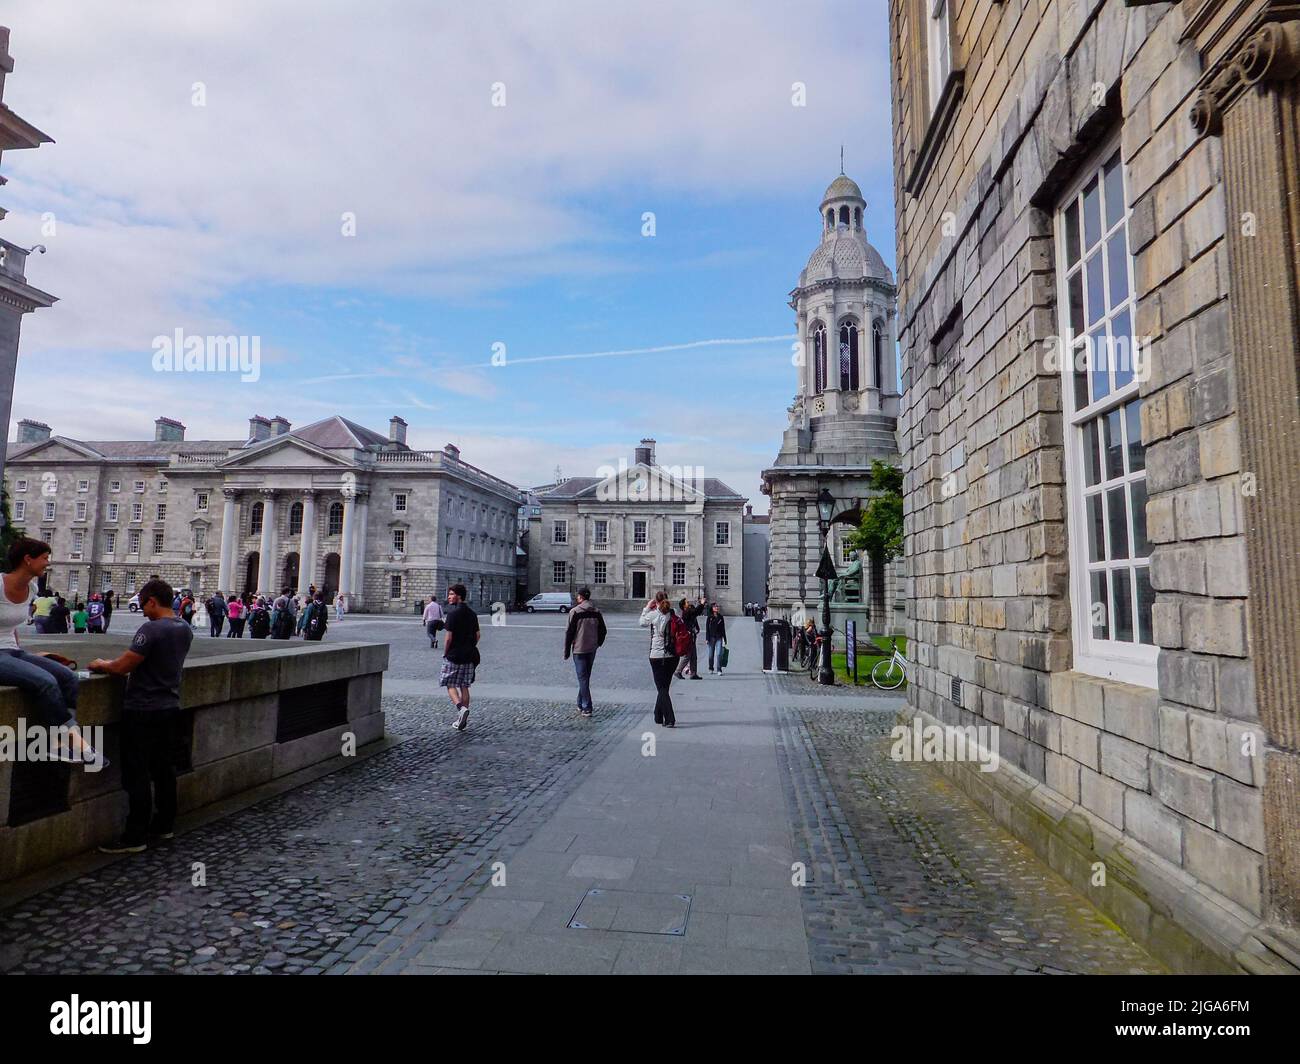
(259, 428)
(30, 431)
(396, 430)
(749, 510)
(280, 425)
(168, 430)
(451, 450)
(645, 453)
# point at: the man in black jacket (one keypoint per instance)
(584, 634)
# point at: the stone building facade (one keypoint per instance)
(639, 529)
(332, 504)
(1097, 264)
(844, 416)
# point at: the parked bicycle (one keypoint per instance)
(890, 673)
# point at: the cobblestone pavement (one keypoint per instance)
(314, 879)
(906, 874)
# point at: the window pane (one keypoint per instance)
(1096, 532)
(1114, 179)
(1114, 446)
(1096, 287)
(1123, 601)
(1100, 607)
(1138, 495)
(1121, 349)
(1137, 454)
(1091, 450)
(1076, 303)
(1117, 263)
(1146, 597)
(1117, 512)
(1100, 363)
(1091, 214)
(1072, 233)
(1081, 376)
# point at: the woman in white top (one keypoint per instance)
(52, 687)
(658, 617)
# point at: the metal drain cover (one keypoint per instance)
(642, 912)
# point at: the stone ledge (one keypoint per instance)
(1182, 922)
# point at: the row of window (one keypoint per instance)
(21, 483)
(600, 573)
(848, 349)
(641, 533)
(112, 511)
(492, 517)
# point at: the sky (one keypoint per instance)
(384, 194)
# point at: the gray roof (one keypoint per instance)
(339, 432)
(128, 450)
(575, 486)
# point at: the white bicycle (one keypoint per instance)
(889, 674)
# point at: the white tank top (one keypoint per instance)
(12, 615)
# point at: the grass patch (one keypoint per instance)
(867, 661)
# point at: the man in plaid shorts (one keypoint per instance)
(461, 653)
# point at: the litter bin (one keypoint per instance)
(776, 645)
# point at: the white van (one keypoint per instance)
(550, 600)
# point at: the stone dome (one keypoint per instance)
(842, 187)
(846, 253)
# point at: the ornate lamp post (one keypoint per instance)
(826, 571)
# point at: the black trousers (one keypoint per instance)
(663, 673)
(148, 751)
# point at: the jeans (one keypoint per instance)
(148, 745)
(236, 628)
(433, 634)
(688, 662)
(582, 664)
(663, 673)
(39, 624)
(216, 622)
(715, 655)
(51, 686)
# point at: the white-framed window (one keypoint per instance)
(600, 572)
(1105, 461)
(601, 536)
(679, 536)
(112, 511)
(138, 487)
(938, 49)
(110, 542)
(157, 542)
(83, 485)
(80, 510)
(106, 580)
(255, 519)
(640, 533)
(78, 542)
(130, 581)
(560, 532)
(74, 583)
(20, 510)
(399, 502)
(49, 509)
(846, 551)
(114, 485)
(200, 538)
(201, 502)
(722, 575)
(133, 541)
(137, 511)
(399, 541)
(722, 533)
(559, 572)
(20, 484)
(679, 574)
(162, 511)
(394, 585)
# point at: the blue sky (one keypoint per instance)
(474, 224)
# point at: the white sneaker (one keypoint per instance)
(462, 720)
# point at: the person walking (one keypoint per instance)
(259, 620)
(691, 618)
(433, 620)
(95, 615)
(217, 614)
(658, 616)
(49, 683)
(79, 618)
(41, 607)
(235, 615)
(151, 718)
(460, 655)
(109, 602)
(715, 635)
(340, 607)
(316, 620)
(584, 634)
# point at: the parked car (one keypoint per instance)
(134, 604)
(550, 600)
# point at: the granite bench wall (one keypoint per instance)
(254, 711)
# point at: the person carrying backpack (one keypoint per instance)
(584, 634)
(95, 615)
(187, 609)
(259, 620)
(317, 620)
(667, 633)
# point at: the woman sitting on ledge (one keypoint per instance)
(42, 676)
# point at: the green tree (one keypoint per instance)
(879, 534)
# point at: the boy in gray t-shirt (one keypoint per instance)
(151, 715)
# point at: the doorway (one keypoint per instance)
(639, 584)
(331, 582)
(290, 574)
(250, 572)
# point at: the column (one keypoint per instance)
(307, 547)
(359, 550)
(345, 551)
(266, 568)
(229, 542)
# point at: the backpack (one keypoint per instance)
(259, 624)
(677, 637)
(282, 622)
(317, 622)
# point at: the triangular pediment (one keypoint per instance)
(641, 483)
(58, 449)
(285, 452)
